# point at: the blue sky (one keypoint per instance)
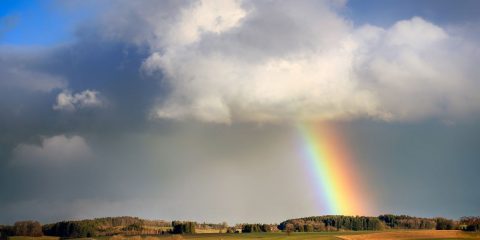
(114, 108)
(38, 22)
(387, 12)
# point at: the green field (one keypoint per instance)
(265, 236)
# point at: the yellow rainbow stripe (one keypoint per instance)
(332, 170)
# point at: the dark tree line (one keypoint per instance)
(28, 228)
(470, 223)
(332, 223)
(103, 227)
(117, 221)
(180, 227)
(407, 222)
(249, 228)
(71, 229)
(22, 228)
(362, 223)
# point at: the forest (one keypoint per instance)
(362, 223)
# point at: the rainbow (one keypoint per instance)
(332, 171)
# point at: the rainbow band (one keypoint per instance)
(332, 173)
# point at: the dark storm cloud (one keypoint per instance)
(111, 68)
(30, 82)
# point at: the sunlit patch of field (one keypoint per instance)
(207, 231)
(418, 234)
(157, 228)
(384, 235)
(263, 236)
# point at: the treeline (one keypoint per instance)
(71, 229)
(407, 222)
(387, 221)
(217, 226)
(107, 226)
(332, 223)
(116, 221)
(23, 228)
(250, 228)
(135, 226)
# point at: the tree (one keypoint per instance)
(183, 227)
(308, 228)
(289, 228)
(444, 224)
(28, 228)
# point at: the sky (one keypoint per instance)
(191, 109)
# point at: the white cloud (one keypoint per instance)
(259, 61)
(56, 149)
(66, 101)
(215, 16)
(417, 70)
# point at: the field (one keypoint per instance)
(384, 235)
(426, 234)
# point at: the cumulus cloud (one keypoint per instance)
(66, 101)
(227, 61)
(56, 149)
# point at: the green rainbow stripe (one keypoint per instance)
(332, 173)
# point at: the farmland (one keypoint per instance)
(352, 235)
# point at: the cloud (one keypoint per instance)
(204, 16)
(66, 101)
(417, 70)
(250, 61)
(16, 76)
(21, 75)
(53, 150)
(258, 61)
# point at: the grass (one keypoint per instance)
(33, 238)
(381, 235)
(263, 236)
